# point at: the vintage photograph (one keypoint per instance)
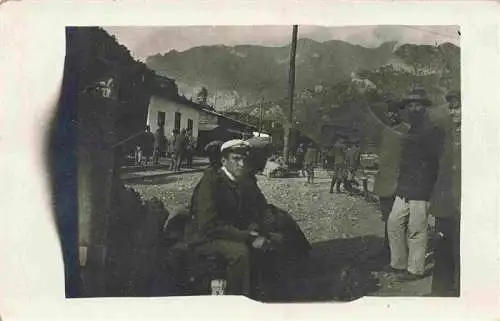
(283, 163)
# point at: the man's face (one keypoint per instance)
(415, 111)
(236, 164)
(455, 110)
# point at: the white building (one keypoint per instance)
(175, 114)
(168, 108)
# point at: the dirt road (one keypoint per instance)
(340, 227)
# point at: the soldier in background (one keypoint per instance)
(300, 154)
(339, 175)
(159, 144)
(310, 162)
(173, 159)
(147, 145)
(445, 207)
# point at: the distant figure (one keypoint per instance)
(190, 148)
(138, 155)
(159, 144)
(175, 133)
(300, 155)
(339, 175)
(147, 145)
(352, 165)
(330, 158)
(179, 149)
(310, 162)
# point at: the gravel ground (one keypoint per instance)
(337, 225)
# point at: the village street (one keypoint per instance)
(341, 229)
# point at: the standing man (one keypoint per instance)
(310, 162)
(408, 221)
(350, 164)
(190, 148)
(147, 144)
(339, 175)
(179, 149)
(300, 155)
(173, 159)
(388, 169)
(445, 206)
(159, 144)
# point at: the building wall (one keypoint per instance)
(157, 104)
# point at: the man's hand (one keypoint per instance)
(259, 242)
(276, 238)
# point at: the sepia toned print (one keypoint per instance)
(285, 164)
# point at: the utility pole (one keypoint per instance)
(260, 119)
(215, 99)
(291, 87)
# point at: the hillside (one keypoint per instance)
(242, 74)
(336, 81)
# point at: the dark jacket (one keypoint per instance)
(339, 153)
(389, 158)
(419, 162)
(147, 143)
(180, 143)
(160, 138)
(446, 198)
(223, 209)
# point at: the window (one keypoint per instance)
(178, 121)
(161, 118)
(190, 124)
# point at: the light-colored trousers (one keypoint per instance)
(407, 228)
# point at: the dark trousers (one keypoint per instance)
(337, 181)
(446, 275)
(386, 204)
(189, 157)
(310, 173)
(237, 258)
(156, 155)
(177, 161)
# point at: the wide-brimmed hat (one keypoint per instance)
(259, 142)
(213, 146)
(417, 95)
(453, 94)
(237, 146)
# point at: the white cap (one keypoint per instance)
(235, 144)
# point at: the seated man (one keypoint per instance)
(226, 211)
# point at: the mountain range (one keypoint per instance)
(243, 78)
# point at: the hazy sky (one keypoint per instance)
(146, 41)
